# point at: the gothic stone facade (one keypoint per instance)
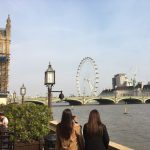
(4, 57)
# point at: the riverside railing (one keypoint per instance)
(112, 145)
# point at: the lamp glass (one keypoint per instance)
(23, 90)
(49, 76)
(14, 95)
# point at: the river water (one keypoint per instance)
(131, 129)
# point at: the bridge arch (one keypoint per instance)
(73, 102)
(35, 102)
(105, 101)
(130, 100)
(147, 101)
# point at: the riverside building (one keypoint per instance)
(122, 86)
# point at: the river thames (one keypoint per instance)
(131, 129)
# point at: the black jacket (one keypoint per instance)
(97, 142)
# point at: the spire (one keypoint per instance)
(8, 27)
(8, 20)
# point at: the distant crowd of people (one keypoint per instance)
(70, 137)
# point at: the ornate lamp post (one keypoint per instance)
(14, 96)
(9, 98)
(23, 92)
(49, 82)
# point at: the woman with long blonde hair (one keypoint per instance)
(95, 133)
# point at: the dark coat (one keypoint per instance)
(2, 128)
(97, 142)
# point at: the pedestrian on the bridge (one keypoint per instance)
(69, 135)
(95, 133)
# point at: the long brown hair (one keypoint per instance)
(94, 125)
(66, 124)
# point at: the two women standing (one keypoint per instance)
(69, 134)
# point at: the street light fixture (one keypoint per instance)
(49, 82)
(23, 92)
(14, 96)
(9, 98)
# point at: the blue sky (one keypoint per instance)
(115, 33)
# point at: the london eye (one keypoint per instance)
(87, 77)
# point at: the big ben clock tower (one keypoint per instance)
(4, 57)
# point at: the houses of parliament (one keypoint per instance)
(5, 34)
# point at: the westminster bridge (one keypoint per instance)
(108, 100)
(97, 100)
(83, 100)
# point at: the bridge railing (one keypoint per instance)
(112, 145)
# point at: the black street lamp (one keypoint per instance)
(14, 96)
(9, 98)
(23, 92)
(49, 82)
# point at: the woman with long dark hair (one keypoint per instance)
(69, 136)
(95, 133)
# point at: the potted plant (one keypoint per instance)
(29, 123)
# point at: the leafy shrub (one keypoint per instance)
(28, 122)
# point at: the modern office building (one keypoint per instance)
(121, 80)
(122, 86)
